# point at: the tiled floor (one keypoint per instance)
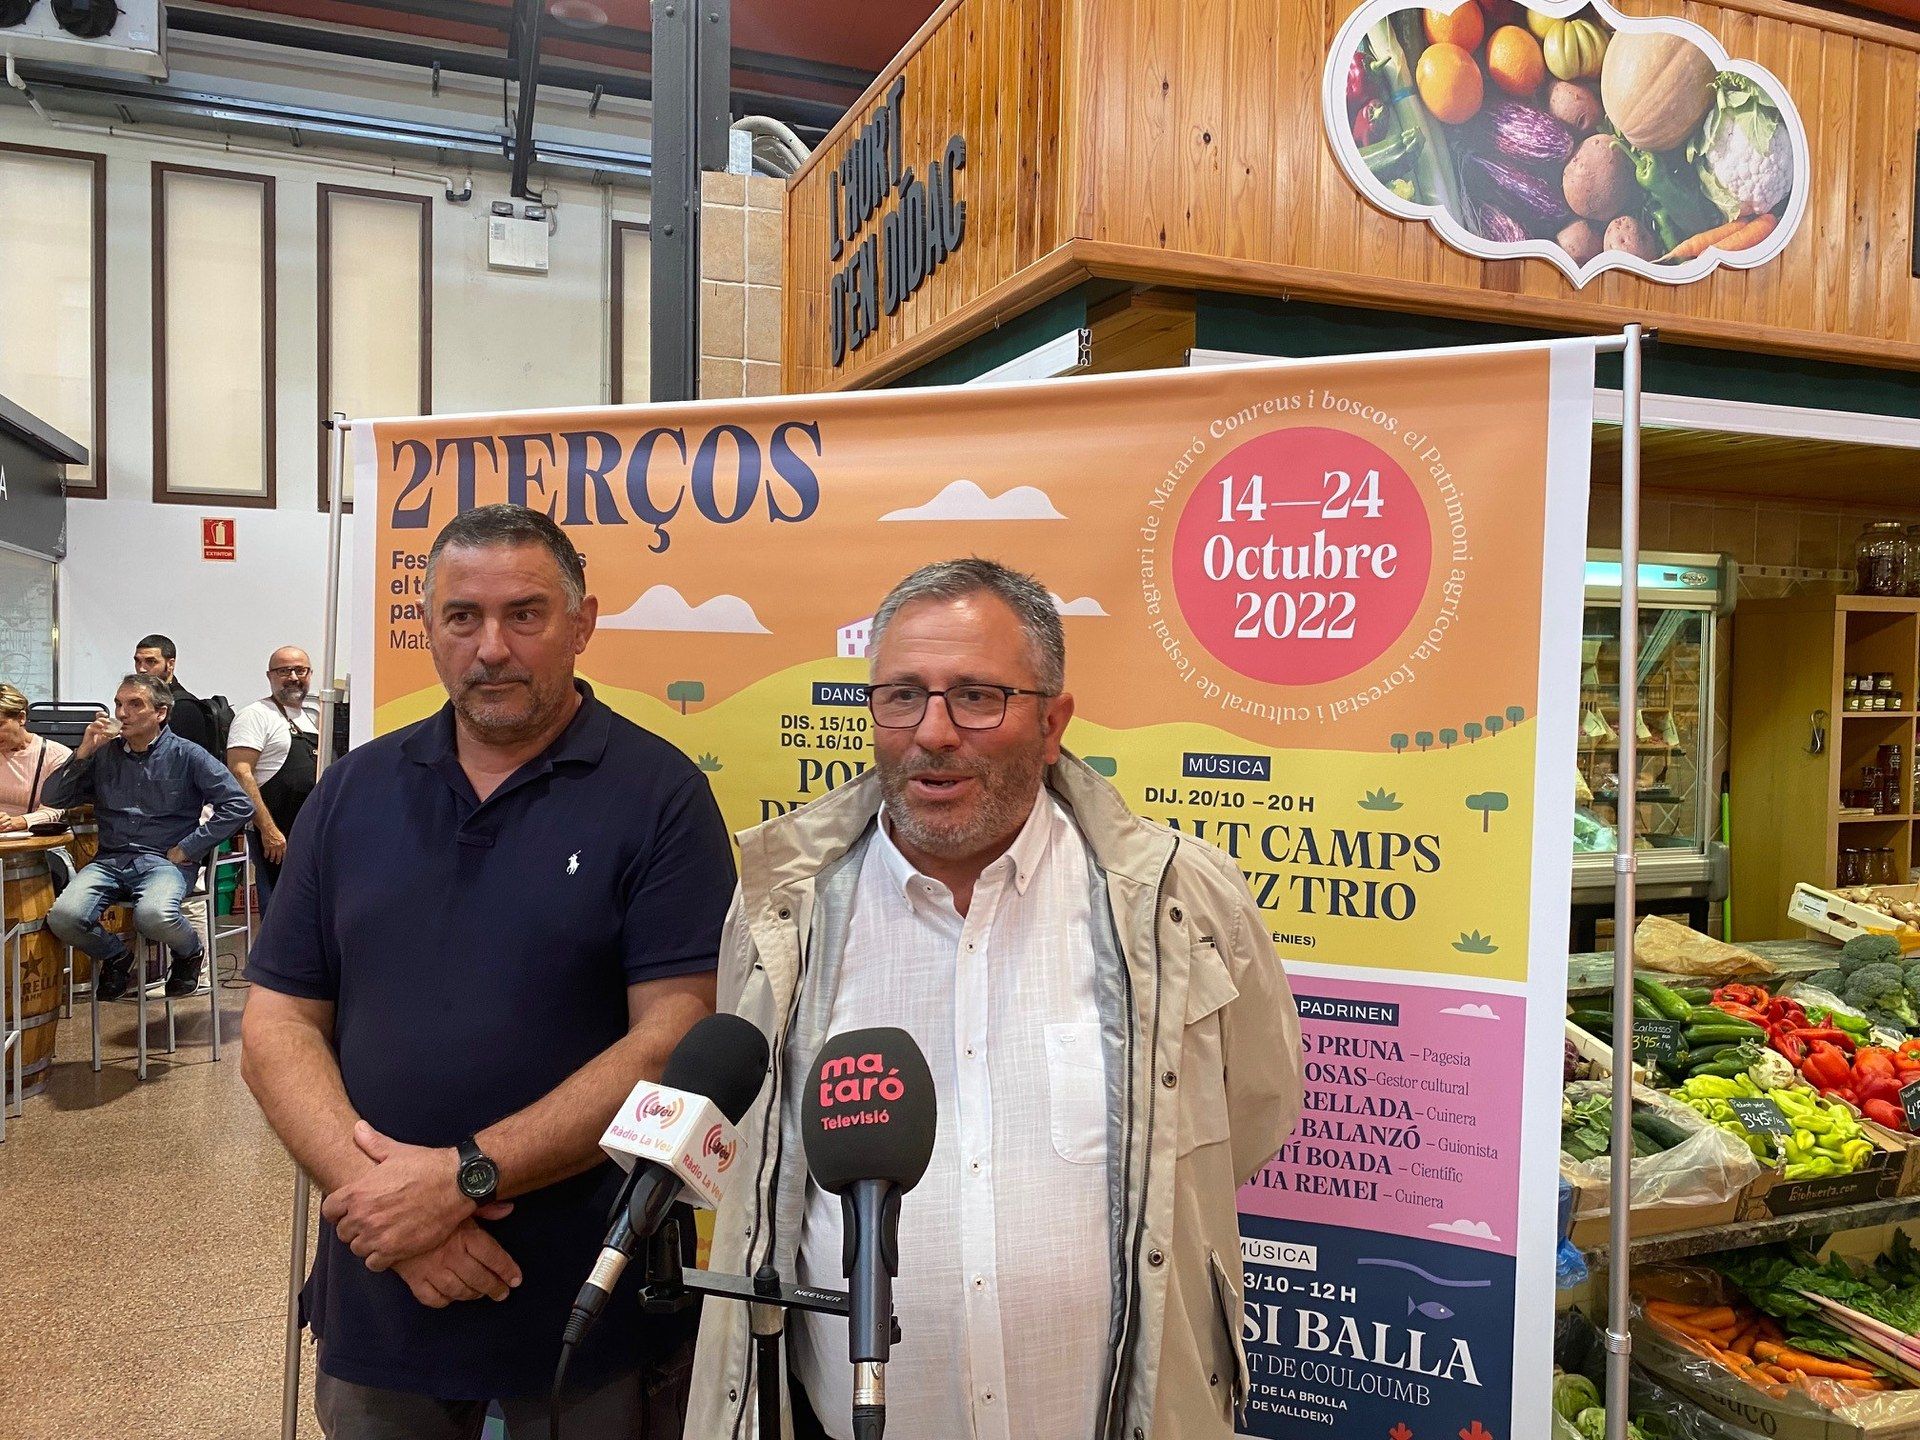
(143, 1244)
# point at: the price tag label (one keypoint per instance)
(1762, 1116)
(1656, 1039)
(1910, 1103)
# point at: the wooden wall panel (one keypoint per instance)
(1842, 289)
(1179, 143)
(994, 71)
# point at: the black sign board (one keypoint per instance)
(1910, 1103)
(1761, 1115)
(1656, 1039)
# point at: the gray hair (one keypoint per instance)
(1029, 600)
(492, 525)
(158, 694)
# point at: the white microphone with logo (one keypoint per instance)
(676, 1140)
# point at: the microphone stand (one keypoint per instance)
(666, 1284)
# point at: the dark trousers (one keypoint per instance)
(806, 1424)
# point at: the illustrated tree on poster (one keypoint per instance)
(1515, 714)
(1398, 742)
(1495, 724)
(1487, 803)
(1424, 739)
(686, 692)
(1472, 731)
(1448, 737)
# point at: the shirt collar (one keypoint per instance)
(584, 741)
(1023, 857)
(164, 739)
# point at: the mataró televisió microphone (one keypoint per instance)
(674, 1136)
(867, 1120)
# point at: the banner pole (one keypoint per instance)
(1620, 1229)
(329, 697)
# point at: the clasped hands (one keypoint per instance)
(407, 1215)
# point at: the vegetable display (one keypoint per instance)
(1825, 1139)
(1520, 126)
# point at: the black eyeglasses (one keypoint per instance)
(291, 670)
(970, 707)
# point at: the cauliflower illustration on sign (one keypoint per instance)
(1745, 156)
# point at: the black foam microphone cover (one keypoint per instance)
(722, 1057)
(869, 1110)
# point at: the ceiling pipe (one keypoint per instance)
(457, 195)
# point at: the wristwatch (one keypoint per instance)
(478, 1177)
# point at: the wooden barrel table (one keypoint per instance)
(29, 895)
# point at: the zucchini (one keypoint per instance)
(1669, 1005)
(1592, 1018)
(1660, 1130)
(1644, 1007)
(1692, 994)
(1726, 1028)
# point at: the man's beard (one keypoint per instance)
(292, 693)
(492, 720)
(1006, 792)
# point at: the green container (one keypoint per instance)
(228, 883)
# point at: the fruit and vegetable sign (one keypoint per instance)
(1567, 132)
(1324, 615)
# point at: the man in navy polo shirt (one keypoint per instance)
(489, 927)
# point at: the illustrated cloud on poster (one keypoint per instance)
(664, 608)
(1567, 132)
(1478, 1229)
(1471, 1012)
(964, 500)
(1086, 605)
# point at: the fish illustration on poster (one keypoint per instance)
(1322, 614)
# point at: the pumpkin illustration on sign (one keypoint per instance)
(1568, 136)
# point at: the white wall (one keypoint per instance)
(500, 341)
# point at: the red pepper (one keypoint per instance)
(1750, 995)
(1826, 1065)
(1876, 1087)
(1885, 1113)
(1740, 1012)
(1872, 1060)
(1826, 1033)
(1789, 1045)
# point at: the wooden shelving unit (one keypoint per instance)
(1791, 659)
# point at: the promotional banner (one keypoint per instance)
(1324, 615)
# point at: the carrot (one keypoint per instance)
(1817, 1365)
(1751, 233)
(1743, 1342)
(1770, 1328)
(1699, 244)
(1707, 1325)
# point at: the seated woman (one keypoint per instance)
(27, 762)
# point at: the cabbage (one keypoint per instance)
(1572, 1394)
(1591, 1423)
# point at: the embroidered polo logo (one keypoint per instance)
(573, 863)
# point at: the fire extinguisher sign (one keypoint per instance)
(216, 538)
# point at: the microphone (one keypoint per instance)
(672, 1137)
(867, 1121)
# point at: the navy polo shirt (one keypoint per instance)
(477, 955)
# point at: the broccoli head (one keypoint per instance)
(1831, 981)
(1912, 974)
(1881, 988)
(1869, 950)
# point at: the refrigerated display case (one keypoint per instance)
(1676, 794)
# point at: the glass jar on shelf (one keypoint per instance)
(1848, 872)
(1880, 867)
(1913, 560)
(1882, 559)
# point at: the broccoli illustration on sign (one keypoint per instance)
(686, 692)
(1475, 943)
(1448, 737)
(1381, 799)
(1472, 731)
(1487, 802)
(1398, 742)
(1424, 739)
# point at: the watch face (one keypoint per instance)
(477, 1178)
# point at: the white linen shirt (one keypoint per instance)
(267, 727)
(1004, 1295)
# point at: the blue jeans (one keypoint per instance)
(155, 885)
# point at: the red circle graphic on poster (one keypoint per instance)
(1302, 556)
